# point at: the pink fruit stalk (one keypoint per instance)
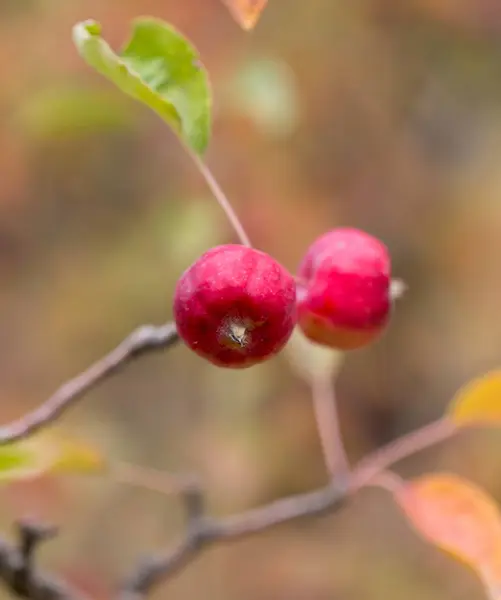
(344, 292)
(235, 306)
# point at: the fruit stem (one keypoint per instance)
(221, 198)
(326, 415)
(149, 478)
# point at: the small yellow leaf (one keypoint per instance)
(75, 456)
(246, 12)
(458, 517)
(479, 401)
(45, 453)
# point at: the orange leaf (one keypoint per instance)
(479, 401)
(246, 12)
(458, 517)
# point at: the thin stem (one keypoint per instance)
(326, 415)
(221, 198)
(387, 480)
(415, 441)
(203, 531)
(151, 479)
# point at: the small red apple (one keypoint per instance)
(235, 306)
(344, 290)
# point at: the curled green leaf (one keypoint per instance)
(158, 67)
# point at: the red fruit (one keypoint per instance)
(344, 298)
(235, 306)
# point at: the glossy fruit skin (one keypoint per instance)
(235, 306)
(344, 297)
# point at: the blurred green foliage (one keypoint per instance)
(57, 112)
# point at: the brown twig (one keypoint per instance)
(147, 338)
(425, 437)
(16, 563)
(18, 571)
(203, 531)
(150, 479)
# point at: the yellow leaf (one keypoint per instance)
(458, 517)
(74, 456)
(246, 12)
(479, 401)
(45, 453)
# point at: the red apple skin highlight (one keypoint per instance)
(235, 306)
(343, 296)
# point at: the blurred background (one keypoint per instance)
(380, 114)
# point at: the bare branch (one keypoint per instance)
(19, 574)
(203, 531)
(17, 568)
(151, 479)
(147, 338)
(16, 563)
(425, 437)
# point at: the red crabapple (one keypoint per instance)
(344, 290)
(235, 306)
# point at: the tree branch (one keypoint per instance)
(202, 531)
(17, 568)
(406, 445)
(147, 338)
(18, 572)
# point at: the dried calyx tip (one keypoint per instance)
(238, 334)
(398, 288)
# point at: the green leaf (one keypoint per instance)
(158, 67)
(14, 459)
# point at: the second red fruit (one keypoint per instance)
(235, 306)
(344, 297)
